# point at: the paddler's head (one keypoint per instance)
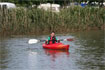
(52, 34)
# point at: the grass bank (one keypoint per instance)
(37, 21)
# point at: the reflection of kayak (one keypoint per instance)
(58, 46)
(54, 54)
(57, 52)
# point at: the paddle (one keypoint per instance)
(32, 41)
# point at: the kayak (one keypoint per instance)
(57, 46)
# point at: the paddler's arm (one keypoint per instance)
(48, 38)
(57, 40)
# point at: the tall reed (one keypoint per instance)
(38, 21)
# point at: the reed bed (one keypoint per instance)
(37, 21)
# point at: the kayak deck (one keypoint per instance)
(57, 46)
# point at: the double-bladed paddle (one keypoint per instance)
(33, 41)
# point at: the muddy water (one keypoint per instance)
(87, 52)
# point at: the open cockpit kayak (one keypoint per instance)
(57, 46)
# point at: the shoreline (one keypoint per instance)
(41, 34)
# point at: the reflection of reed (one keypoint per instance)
(91, 51)
(3, 56)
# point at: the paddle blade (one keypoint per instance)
(32, 41)
(70, 39)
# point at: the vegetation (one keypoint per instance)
(38, 21)
(37, 2)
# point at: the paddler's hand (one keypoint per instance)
(58, 41)
(46, 41)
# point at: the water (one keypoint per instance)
(87, 52)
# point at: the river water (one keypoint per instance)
(86, 52)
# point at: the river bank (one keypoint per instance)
(23, 21)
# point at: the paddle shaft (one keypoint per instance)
(31, 41)
(57, 40)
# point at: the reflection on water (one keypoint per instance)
(54, 54)
(91, 51)
(3, 56)
(85, 53)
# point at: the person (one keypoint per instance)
(52, 39)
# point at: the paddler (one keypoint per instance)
(52, 39)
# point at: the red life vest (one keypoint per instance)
(52, 40)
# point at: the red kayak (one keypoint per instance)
(57, 46)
